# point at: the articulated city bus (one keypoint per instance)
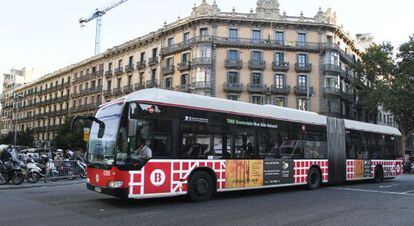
(202, 145)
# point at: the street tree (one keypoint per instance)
(66, 139)
(388, 81)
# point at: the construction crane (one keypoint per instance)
(98, 16)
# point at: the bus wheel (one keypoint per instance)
(314, 179)
(378, 174)
(200, 187)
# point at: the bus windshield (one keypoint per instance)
(102, 150)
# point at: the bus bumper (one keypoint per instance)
(117, 192)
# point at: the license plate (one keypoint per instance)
(97, 189)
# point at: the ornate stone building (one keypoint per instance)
(263, 57)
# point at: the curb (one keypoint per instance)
(39, 184)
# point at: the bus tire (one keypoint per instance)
(200, 187)
(378, 174)
(314, 179)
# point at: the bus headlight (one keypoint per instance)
(115, 184)
(88, 180)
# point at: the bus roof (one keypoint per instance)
(181, 99)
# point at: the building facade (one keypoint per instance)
(12, 80)
(262, 57)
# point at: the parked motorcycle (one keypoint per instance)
(46, 169)
(82, 167)
(67, 169)
(408, 167)
(11, 171)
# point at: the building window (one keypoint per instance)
(256, 78)
(233, 97)
(233, 55)
(185, 57)
(301, 39)
(203, 32)
(170, 42)
(302, 104)
(256, 36)
(119, 82)
(184, 79)
(142, 57)
(280, 101)
(120, 63)
(233, 77)
(257, 56)
(168, 82)
(141, 77)
(279, 58)
(302, 60)
(130, 60)
(110, 66)
(302, 81)
(257, 99)
(154, 53)
(169, 62)
(153, 74)
(280, 37)
(233, 34)
(186, 38)
(280, 80)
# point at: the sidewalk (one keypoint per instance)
(42, 183)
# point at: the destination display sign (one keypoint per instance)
(250, 123)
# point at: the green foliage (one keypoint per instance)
(389, 81)
(24, 138)
(66, 139)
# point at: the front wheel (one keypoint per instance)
(17, 178)
(54, 175)
(33, 177)
(4, 178)
(200, 187)
(314, 179)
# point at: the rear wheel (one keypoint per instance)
(314, 179)
(200, 187)
(4, 178)
(33, 177)
(378, 174)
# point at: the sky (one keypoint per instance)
(46, 34)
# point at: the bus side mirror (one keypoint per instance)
(132, 127)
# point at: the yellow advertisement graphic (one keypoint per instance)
(244, 173)
(359, 168)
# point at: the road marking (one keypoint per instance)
(407, 192)
(388, 186)
(375, 191)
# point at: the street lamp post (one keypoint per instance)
(15, 119)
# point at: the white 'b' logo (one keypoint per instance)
(157, 177)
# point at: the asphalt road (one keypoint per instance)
(388, 203)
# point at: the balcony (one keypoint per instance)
(332, 69)
(141, 65)
(303, 68)
(176, 47)
(139, 86)
(117, 91)
(108, 73)
(256, 88)
(128, 89)
(280, 89)
(99, 73)
(153, 61)
(151, 83)
(332, 91)
(302, 90)
(280, 66)
(129, 68)
(233, 87)
(184, 66)
(183, 88)
(201, 61)
(119, 70)
(236, 64)
(257, 65)
(107, 93)
(168, 70)
(201, 85)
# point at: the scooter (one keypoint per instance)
(409, 167)
(4, 175)
(35, 171)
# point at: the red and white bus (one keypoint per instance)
(202, 145)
